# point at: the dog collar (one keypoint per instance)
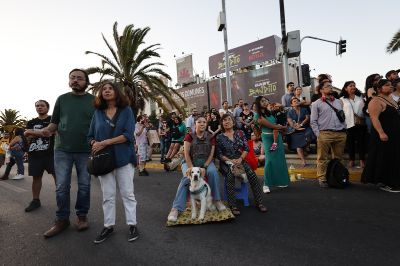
(199, 190)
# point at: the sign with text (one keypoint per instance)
(247, 86)
(184, 69)
(254, 53)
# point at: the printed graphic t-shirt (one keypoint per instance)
(40, 146)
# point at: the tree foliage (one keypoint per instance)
(10, 119)
(394, 44)
(135, 69)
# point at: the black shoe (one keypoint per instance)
(105, 233)
(143, 173)
(323, 184)
(167, 160)
(147, 173)
(35, 204)
(162, 160)
(133, 233)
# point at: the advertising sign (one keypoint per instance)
(184, 69)
(195, 95)
(257, 52)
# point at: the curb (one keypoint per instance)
(308, 173)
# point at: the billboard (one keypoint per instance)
(250, 54)
(184, 69)
(266, 81)
(195, 95)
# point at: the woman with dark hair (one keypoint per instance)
(299, 119)
(113, 125)
(232, 148)
(178, 132)
(275, 169)
(370, 91)
(199, 148)
(213, 125)
(353, 105)
(384, 146)
(17, 146)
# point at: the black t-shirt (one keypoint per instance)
(40, 146)
(213, 125)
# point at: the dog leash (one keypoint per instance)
(200, 190)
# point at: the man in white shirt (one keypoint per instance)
(190, 124)
(141, 143)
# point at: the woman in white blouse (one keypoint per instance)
(353, 104)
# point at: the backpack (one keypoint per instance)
(337, 175)
(200, 149)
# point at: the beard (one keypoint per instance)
(77, 88)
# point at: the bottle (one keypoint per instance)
(292, 174)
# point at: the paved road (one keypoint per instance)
(305, 226)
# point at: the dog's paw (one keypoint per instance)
(193, 217)
(201, 218)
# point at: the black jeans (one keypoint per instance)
(357, 141)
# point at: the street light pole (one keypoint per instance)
(227, 63)
(284, 41)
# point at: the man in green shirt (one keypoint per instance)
(71, 118)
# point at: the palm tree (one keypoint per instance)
(10, 119)
(140, 79)
(394, 44)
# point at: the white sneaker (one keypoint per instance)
(173, 215)
(389, 189)
(266, 189)
(220, 206)
(18, 177)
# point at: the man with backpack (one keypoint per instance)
(330, 131)
(40, 151)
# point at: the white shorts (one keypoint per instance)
(142, 152)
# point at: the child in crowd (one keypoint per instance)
(279, 112)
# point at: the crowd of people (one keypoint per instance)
(248, 135)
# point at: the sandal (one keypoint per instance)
(235, 211)
(262, 208)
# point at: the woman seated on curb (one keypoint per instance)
(258, 149)
(299, 120)
(178, 132)
(199, 150)
(232, 147)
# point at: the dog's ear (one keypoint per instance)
(202, 172)
(188, 172)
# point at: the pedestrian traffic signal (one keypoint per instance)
(342, 46)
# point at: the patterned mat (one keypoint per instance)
(210, 217)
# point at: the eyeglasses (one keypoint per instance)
(77, 78)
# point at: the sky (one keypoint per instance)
(42, 40)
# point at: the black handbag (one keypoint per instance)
(339, 113)
(103, 162)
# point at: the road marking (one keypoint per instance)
(12, 187)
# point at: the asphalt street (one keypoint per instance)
(305, 225)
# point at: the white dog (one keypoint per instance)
(199, 190)
(238, 171)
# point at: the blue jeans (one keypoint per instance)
(63, 162)
(163, 146)
(19, 159)
(183, 189)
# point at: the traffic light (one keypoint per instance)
(305, 75)
(342, 46)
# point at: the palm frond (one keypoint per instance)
(394, 44)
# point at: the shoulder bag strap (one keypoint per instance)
(335, 109)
